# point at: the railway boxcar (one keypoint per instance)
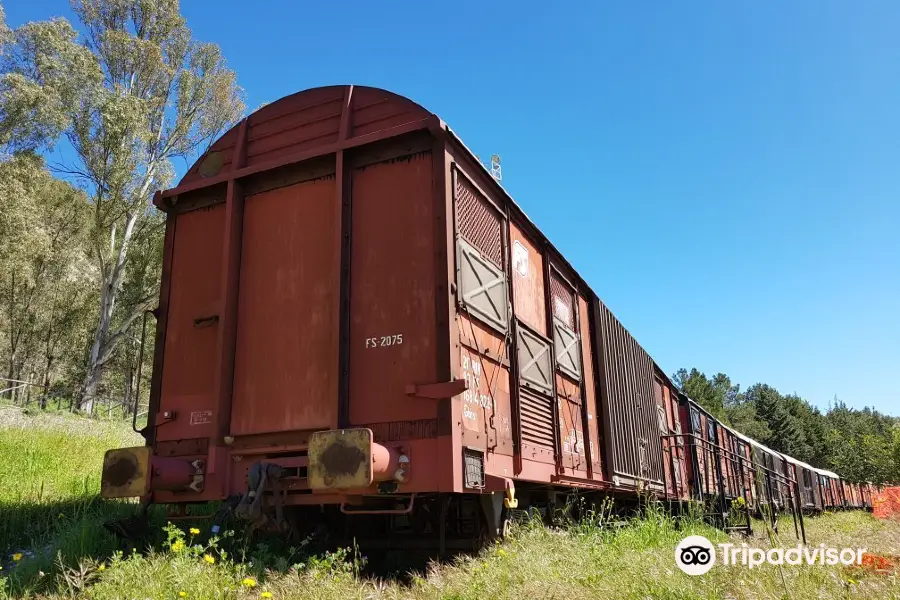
(359, 330)
(719, 460)
(829, 484)
(772, 485)
(357, 324)
(807, 483)
(639, 405)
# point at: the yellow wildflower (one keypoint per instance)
(266, 595)
(209, 558)
(194, 531)
(101, 568)
(182, 594)
(17, 556)
(249, 582)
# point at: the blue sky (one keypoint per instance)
(725, 175)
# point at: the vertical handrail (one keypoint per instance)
(137, 386)
(800, 517)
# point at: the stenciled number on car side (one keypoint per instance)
(384, 340)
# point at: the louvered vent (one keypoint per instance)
(478, 222)
(563, 301)
(537, 419)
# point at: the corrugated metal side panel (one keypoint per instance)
(628, 403)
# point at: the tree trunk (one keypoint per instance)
(11, 373)
(48, 358)
(89, 390)
(101, 334)
(126, 400)
(104, 344)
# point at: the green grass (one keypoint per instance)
(54, 465)
(49, 481)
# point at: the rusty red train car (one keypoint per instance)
(356, 321)
(359, 330)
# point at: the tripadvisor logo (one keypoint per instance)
(695, 555)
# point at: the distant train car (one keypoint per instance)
(807, 483)
(740, 453)
(771, 486)
(867, 490)
(829, 489)
(720, 458)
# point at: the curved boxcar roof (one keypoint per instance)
(830, 474)
(753, 442)
(799, 463)
(322, 120)
(319, 121)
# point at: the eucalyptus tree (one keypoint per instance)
(126, 97)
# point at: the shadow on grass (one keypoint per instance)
(51, 534)
(60, 536)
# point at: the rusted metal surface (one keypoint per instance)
(342, 459)
(589, 390)
(674, 450)
(286, 353)
(189, 356)
(571, 423)
(527, 276)
(126, 472)
(341, 261)
(392, 322)
(230, 288)
(344, 210)
(486, 419)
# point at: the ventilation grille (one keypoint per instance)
(537, 420)
(473, 463)
(563, 301)
(477, 222)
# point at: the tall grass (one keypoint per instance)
(49, 481)
(56, 468)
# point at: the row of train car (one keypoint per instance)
(725, 466)
(360, 332)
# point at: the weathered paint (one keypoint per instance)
(590, 388)
(527, 273)
(486, 418)
(631, 427)
(188, 369)
(328, 317)
(286, 355)
(392, 287)
(571, 433)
